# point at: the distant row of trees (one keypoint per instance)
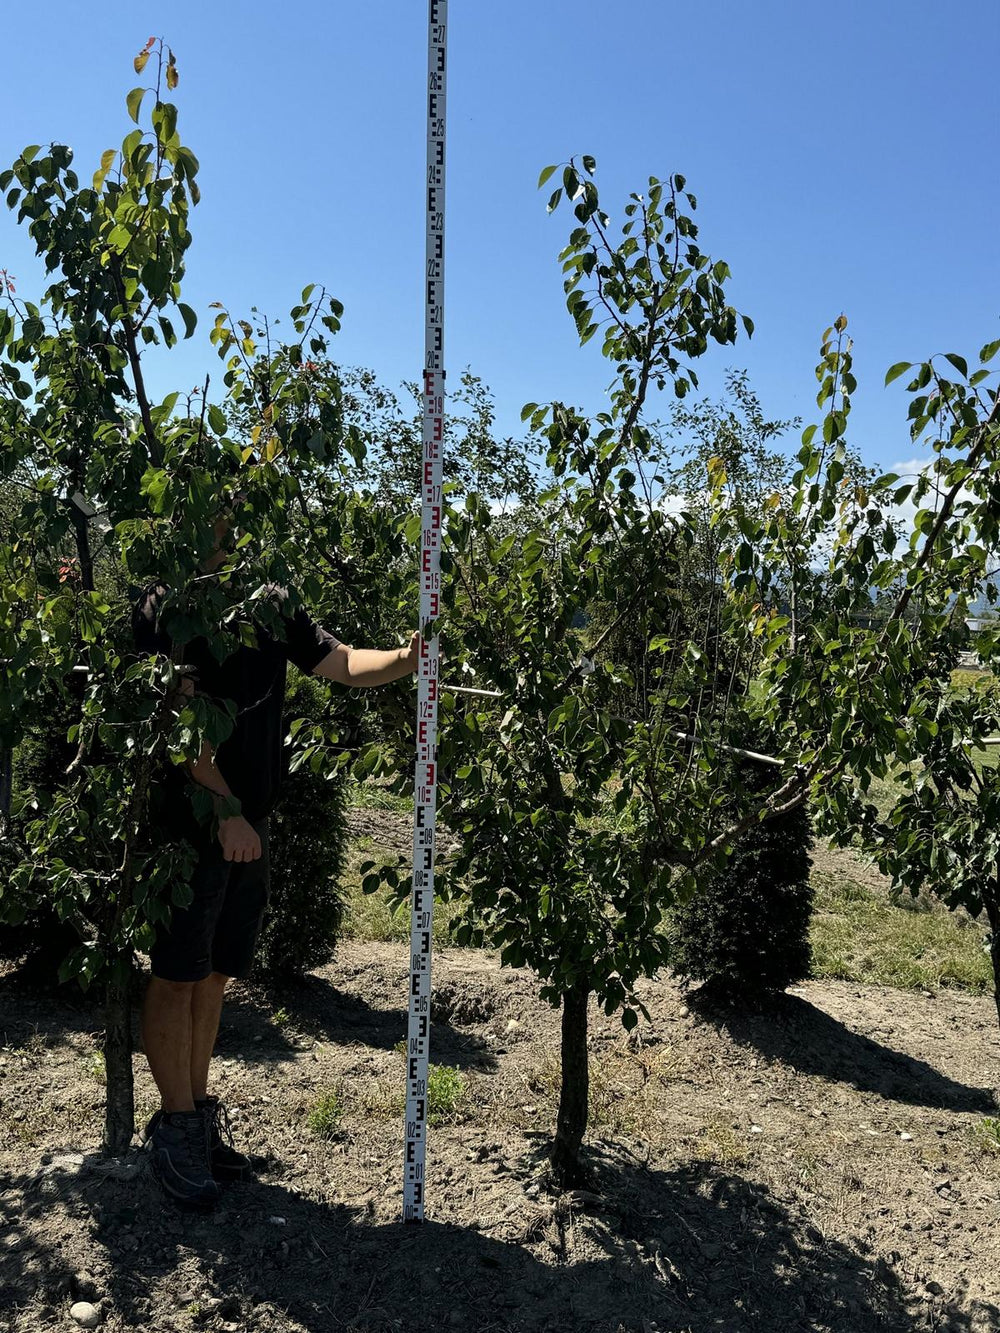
(636, 641)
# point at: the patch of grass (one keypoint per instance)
(94, 1067)
(986, 1134)
(379, 1099)
(281, 1018)
(445, 1093)
(33, 1048)
(369, 916)
(625, 1088)
(371, 796)
(965, 679)
(859, 934)
(326, 1113)
(446, 1089)
(719, 1142)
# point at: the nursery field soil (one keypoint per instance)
(830, 1163)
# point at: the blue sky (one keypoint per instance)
(844, 158)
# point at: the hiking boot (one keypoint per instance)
(227, 1163)
(179, 1152)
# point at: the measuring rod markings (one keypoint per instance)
(425, 773)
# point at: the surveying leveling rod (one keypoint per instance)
(425, 776)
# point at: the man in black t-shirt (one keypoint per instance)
(213, 938)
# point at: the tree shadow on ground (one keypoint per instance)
(317, 1008)
(247, 1032)
(696, 1248)
(790, 1030)
(29, 1007)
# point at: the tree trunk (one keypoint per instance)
(571, 1124)
(991, 901)
(119, 1111)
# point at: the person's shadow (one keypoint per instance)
(695, 1248)
(789, 1029)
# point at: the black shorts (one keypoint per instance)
(218, 930)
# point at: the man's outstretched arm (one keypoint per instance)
(363, 667)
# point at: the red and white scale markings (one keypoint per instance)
(425, 780)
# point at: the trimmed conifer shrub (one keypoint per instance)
(745, 933)
(30, 929)
(308, 846)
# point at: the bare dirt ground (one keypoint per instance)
(824, 1165)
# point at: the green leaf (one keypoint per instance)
(156, 484)
(894, 372)
(107, 161)
(131, 142)
(989, 351)
(959, 362)
(164, 120)
(120, 239)
(189, 317)
(187, 163)
(217, 419)
(156, 277)
(411, 528)
(589, 164)
(554, 198)
(546, 173)
(134, 101)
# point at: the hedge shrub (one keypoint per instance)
(746, 932)
(308, 842)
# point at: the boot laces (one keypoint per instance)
(196, 1137)
(218, 1123)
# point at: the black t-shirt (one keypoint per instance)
(252, 678)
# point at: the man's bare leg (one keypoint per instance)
(206, 1006)
(166, 1039)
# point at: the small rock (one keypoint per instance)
(85, 1314)
(513, 1025)
(277, 1221)
(756, 1129)
(934, 1289)
(905, 1138)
